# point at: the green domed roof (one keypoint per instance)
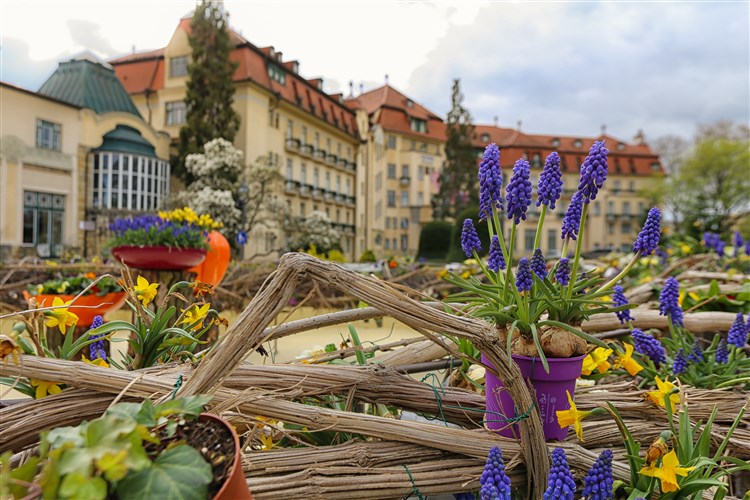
(124, 139)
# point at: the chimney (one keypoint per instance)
(639, 138)
(604, 129)
(361, 88)
(494, 121)
(386, 78)
(351, 88)
(133, 49)
(518, 125)
(278, 56)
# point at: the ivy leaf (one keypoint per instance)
(78, 485)
(180, 473)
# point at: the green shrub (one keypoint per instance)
(456, 254)
(435, 240)
(368, 256)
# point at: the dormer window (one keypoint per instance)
(276, 74)
(418, 125)
(578, 143)
(655, 166)
(620, 146)
(555, 142)
(409, 103)
(485, 137)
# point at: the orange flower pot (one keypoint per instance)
(102, 304)
(213, 269)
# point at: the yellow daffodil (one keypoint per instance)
(145, 291)
(664, 389)
(681, 297)
(195, 314)
(645, 279)
(597, 360)
(9, 346)
(668, 472)
(443, 273)
(200, 289)
(573, 417)
(44, 388)
(95, 362)
(466, 274)
(61, 318)
(626, 361)
(685, 249)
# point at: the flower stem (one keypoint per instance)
(509, 260)
(539, 227)
(622, 273)
(579, 248)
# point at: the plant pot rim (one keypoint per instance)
(236, 462)
(549, 359)
(171, 248)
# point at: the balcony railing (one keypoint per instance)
(304, 190)
(332, 159)
(292, 144)
(405, 180)
(306, 149)
(340, 198)
(342, 162)
(291, 186)
(329, 195)
(317, 193)
(320, 154)
(350, 200)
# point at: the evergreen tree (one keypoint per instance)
(209, 88)
(458, 181)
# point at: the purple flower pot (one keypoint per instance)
(550, 394)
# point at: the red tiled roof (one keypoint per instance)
(139, 74)
(392, 110)
(624, 159)
(139, 56)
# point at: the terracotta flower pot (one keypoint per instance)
(234, 487)
(159, 257)
(213, 269)
(104, 304)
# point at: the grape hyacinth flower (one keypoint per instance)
(496, 260)
(470, 238)
(518, 192)
(649, 346)
(680, 362)
(747, 248)
(550, 183)
(495, 482)
(538, 264)
(738, 332)
(720, 246)
(598, 482)
(593, 172)
(737, 243)
(572, 220)
(490, 182)
(668, 301)
(96, 349)
(619, 299)
(523, 275)
(562, 275)
(722, 352)
(696, 353)
(560, 482)
(648, 238)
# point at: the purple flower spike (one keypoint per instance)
(550, 184)
(722, 352)
(648, 346)
(523, 275)
(495, 482)
(563, 271)
(496, 261)
(738, 332)
(669, 301)
(696, 353)
(470, 239)
(572, 220)
(518, 192)
(648, 238)
(619, 299)
(598, 482)
(747, 247)
(560, 482)
(96, 349)
(490, 182)
(680, 362)
(738, 242)
(593, 172)
(538, 264)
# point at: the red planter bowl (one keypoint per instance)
(103, 304)
(159, 257)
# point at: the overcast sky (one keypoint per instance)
(558, 67)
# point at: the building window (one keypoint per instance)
(577, 143)
(43, 222)
(316, 178)
(404, 242)
(328, 181)
(536, 160)
(405, 171)
(387, 222)
(420, 172)
(626, 228)
(378, 181)
(610, 208)
(391, 170)
(552, 240)
(420, 198)
(391, 142)
(303, 174)
(378, 210)
(176, 113)
(597, 209)
(485, 138)
(289, 129)
(303, 137)
(302, 209)
(391, 198)
(610, 229)
(631, 186)
(626, 208)
(404, 223)
(289, 169)
(124, 181)
(528, 239)
(616, 187)
(418, 125)
(404, 198)
(47, 135)
(178, 66)
(276, 74)
(387, 244)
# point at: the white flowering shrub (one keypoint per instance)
(220, 204)
(318, 231)
(219, 167)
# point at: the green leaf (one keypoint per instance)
(77, 485)
(180, 473)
